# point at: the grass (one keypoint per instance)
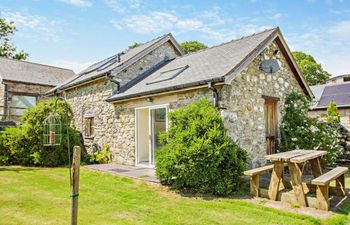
(41, 196)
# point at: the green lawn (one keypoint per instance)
(41, 196)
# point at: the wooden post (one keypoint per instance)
(322, 200)
(316, 167)
(254, 185)
(295, 175)
(75, 185)
(275, 180)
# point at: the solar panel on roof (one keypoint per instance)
(168, 75)
(100, 64)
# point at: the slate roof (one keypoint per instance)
(339, 93)
(211, 64)
(32, 73)
(317, 90)
(99, 69)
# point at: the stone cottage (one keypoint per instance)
(24, 83)
(123, 101)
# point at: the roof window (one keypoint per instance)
(168, 74)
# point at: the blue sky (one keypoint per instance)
(76, 33)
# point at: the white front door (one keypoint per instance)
(150, 122)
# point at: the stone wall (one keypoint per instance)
(242, 107)
(15, 88)
(244, 102)
(322, 115)
(114, 124)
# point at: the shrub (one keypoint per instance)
(197, 154)
(23, 145)
(101, 155)
(298, 131)
(333, 113)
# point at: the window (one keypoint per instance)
(19, 103)
(168, 74)
(89, 127)
(346, 79)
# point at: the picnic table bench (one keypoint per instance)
(295, 161)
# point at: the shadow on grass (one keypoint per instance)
(17, 169)
(243, 193)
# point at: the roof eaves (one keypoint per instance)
(231, 75)
(166, 89)
(325, 107)
(24, 82)
(283, 41)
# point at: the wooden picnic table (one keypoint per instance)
(296, 160)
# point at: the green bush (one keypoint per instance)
(23, 145)
(197, 154)
(298, 131)
(101, 155)
(333, 113)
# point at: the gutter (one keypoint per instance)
(24, 82)
(176, 88)
(325, 107)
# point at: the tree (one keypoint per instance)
(313, 71)
(7, 50)
(333, 113)
(192, 46)
(136, 44)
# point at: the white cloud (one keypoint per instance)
(277, 16)
(78, 3)
(160, 21)
(208, 24)
(34, 25)
(248, 29)
(116, 25)
(121, 6)
(115, 5)
(328, 44)
(341, 30)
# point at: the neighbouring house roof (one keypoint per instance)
(126, 59)
(216, 64)
(339, 93)
(32, 73)
(338, 76)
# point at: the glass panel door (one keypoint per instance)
(158, 125)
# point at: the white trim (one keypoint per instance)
(153, 106)
(247, 61)
(295, 64)
(150, 107)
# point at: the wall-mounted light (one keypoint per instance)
(149, 99)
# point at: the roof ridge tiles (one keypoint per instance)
(229, 42)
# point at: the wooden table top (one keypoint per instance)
(296, 156)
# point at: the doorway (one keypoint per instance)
(270, 114)
(150, 122)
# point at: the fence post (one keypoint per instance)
(75, 185)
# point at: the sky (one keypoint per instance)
(76, 33)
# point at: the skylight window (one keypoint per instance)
(168, 74)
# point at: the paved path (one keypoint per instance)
(142, 173)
